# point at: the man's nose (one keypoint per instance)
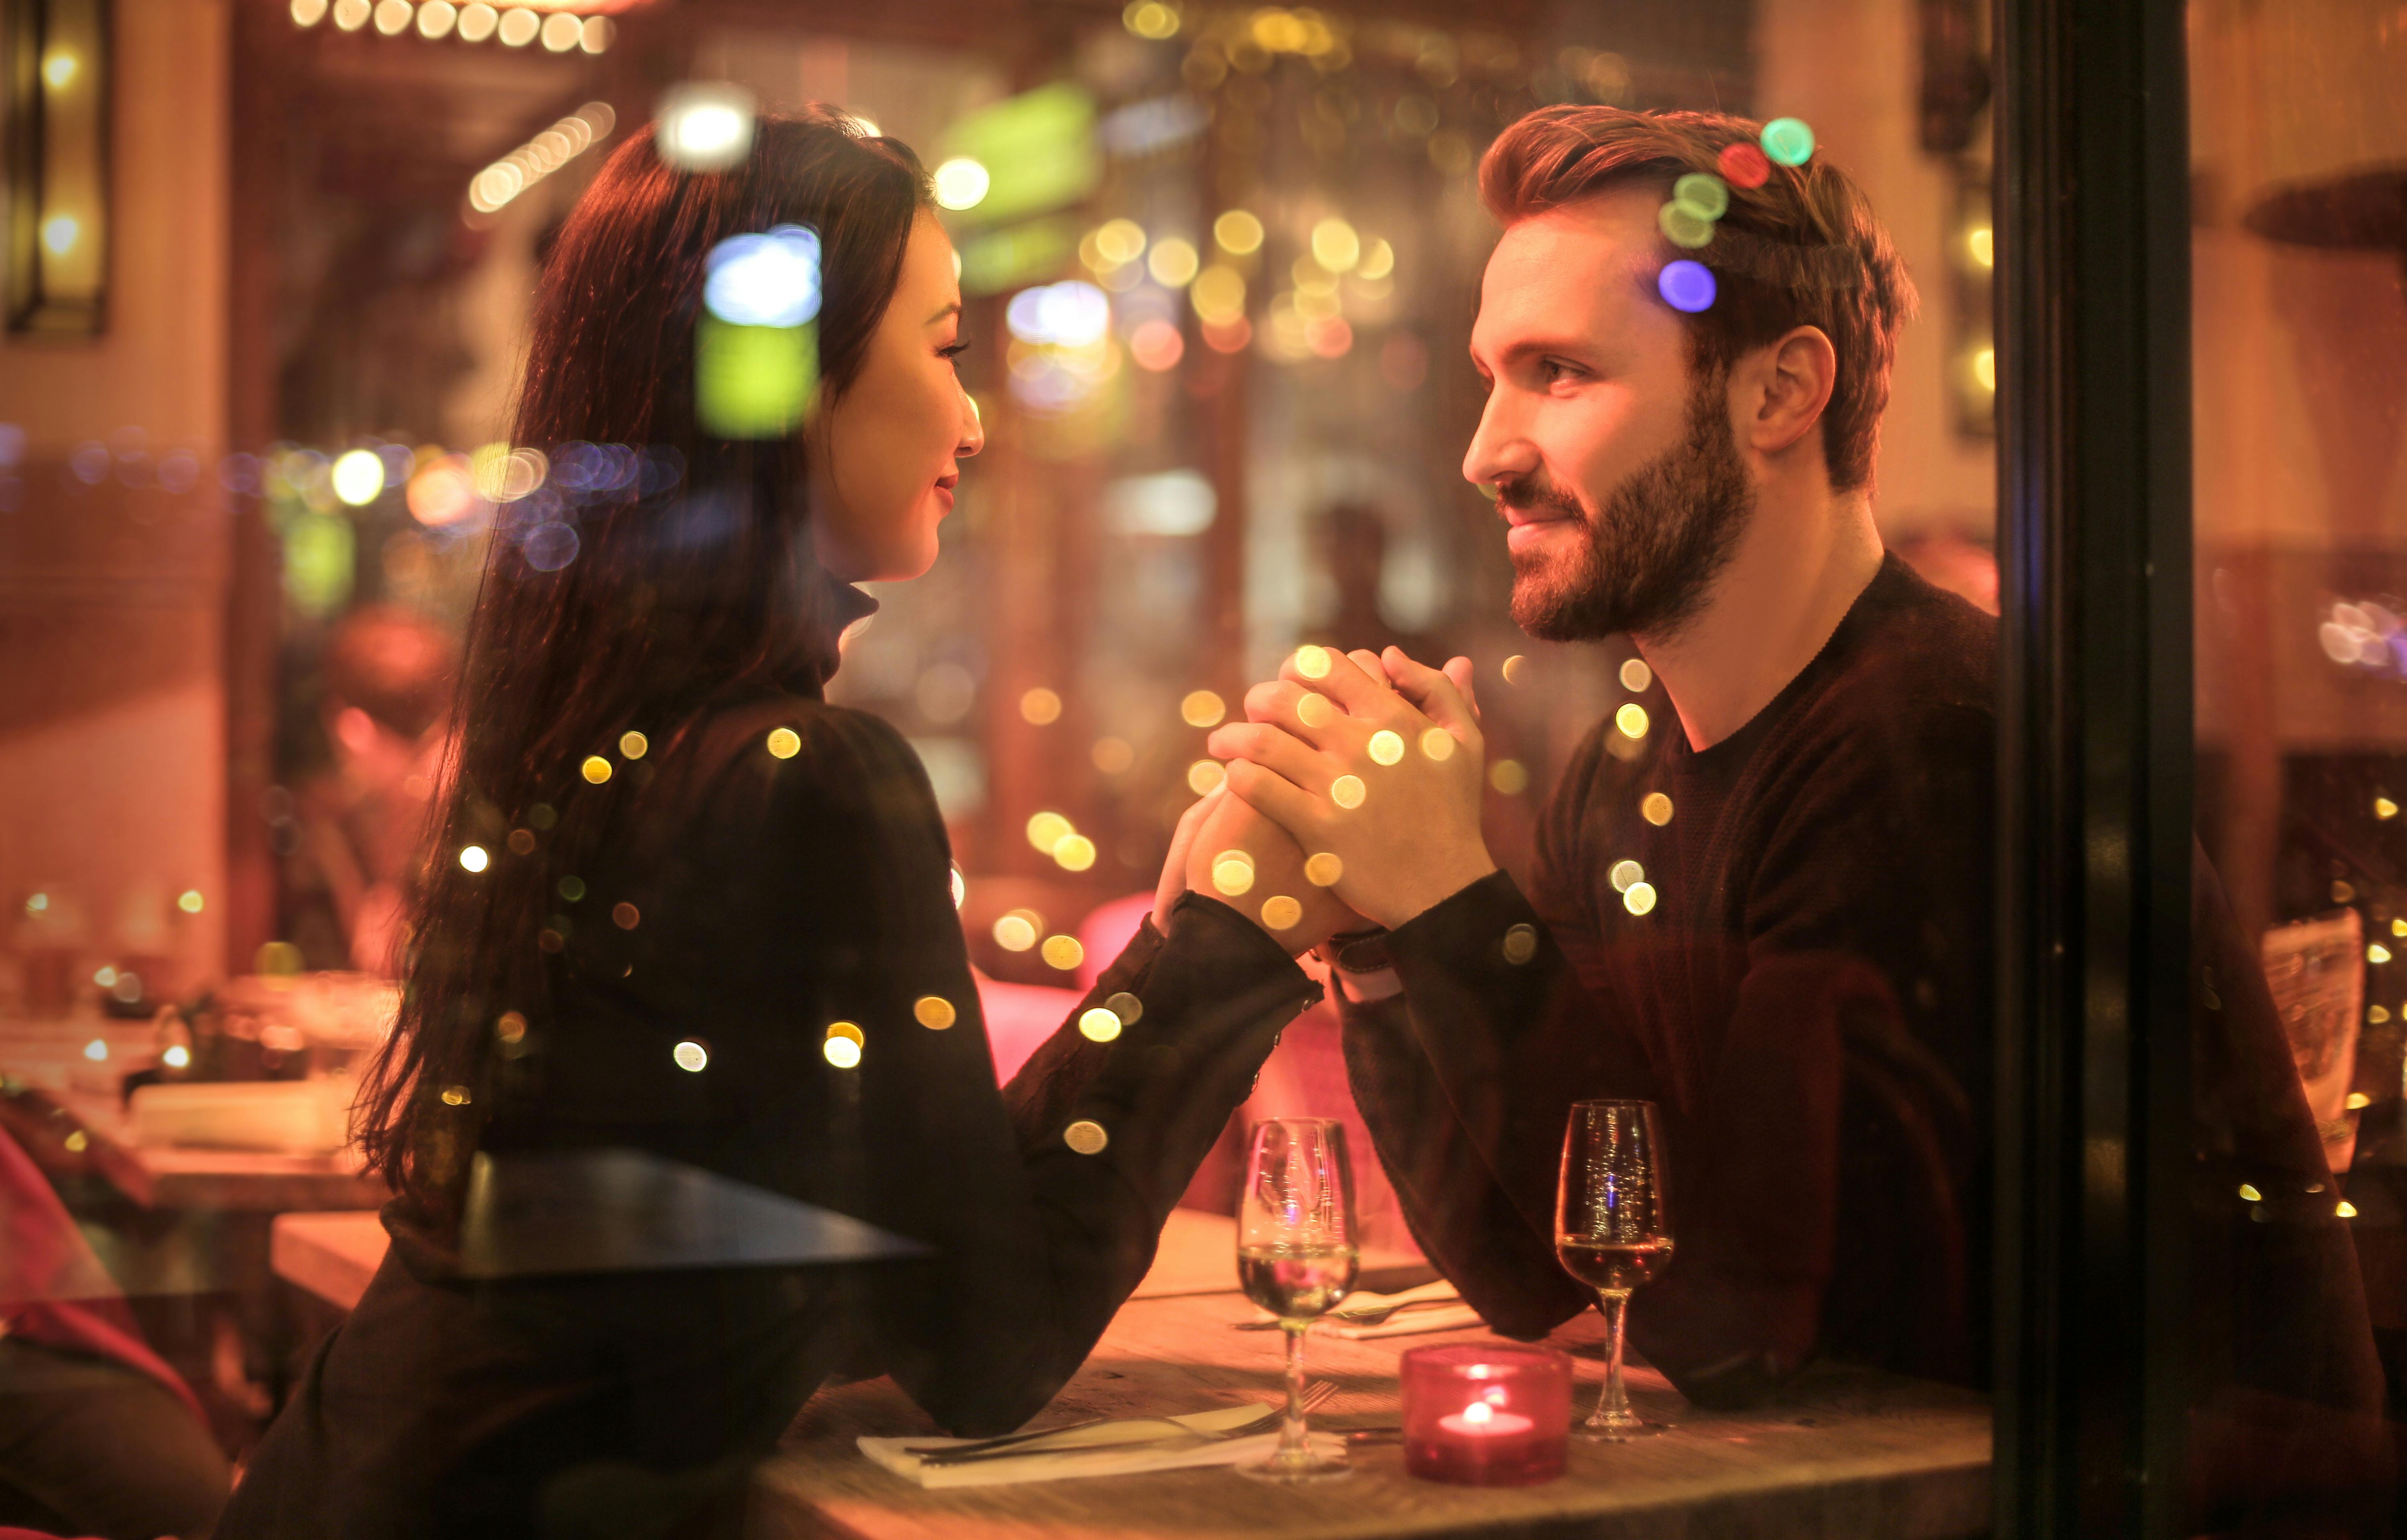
(1498, 450)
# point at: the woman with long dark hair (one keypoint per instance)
(678, 906)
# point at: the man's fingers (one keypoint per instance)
(1460, 671)
(1276, 798)
(1340, 678)
(1308, 714)
(1270, 747)
(1434, 693)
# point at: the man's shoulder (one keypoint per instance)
(1914, 657)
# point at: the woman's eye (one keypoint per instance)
(955, 351)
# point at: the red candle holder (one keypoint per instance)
(1487, 1415)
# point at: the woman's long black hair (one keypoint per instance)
(687, 570)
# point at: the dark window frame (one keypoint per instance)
(2096, 752)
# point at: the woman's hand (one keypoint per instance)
(1250, 864)
(1182, 839)
(1380, 767)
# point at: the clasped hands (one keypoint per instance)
(1352, 796)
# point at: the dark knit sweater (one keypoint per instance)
(1808, 998)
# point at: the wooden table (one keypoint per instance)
(1847, 1453)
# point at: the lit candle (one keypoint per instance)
(1481, 1420)
(1485, 1415)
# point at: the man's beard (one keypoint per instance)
(1650, 556)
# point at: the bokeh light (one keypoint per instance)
(1238, 233)
(1205, 774)
(357, 477)
(1100, 1025)
(1789, 141)
(1687, 286)
(699, 126)
(1017, 931)
(1062, 952)
(1156, 346)
(1151, 19)
(935, 1012)
(473, 858)
(961, 183)
(1336, 245)
(1040, 707)
(1202, 709)
(690, 1056)
(1386, 747)
(1348, 791)
(1744, 165)
(1437, 745)
(1173, 262)
(1281, 913)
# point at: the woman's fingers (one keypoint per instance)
(1276, 798)
(1182, 839)
(1270, 747)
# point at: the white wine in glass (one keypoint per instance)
(1296, 1258)
(1613, 1232)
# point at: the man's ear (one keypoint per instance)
(1786, 387)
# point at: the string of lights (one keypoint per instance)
(513, 26)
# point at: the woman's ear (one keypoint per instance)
(1790, 383)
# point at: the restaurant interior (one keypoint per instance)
(270, 274)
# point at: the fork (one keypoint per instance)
(1371, 1317)
(1012, 1445)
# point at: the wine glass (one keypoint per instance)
(1613, 1232)
(1296, 1258)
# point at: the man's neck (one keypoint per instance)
(1800, 566)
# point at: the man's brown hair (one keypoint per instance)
(1802, 249)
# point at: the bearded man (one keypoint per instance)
(1762, 900)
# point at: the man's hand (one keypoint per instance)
(1250, 864)
(1383, 776)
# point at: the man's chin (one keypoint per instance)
(1551, 609)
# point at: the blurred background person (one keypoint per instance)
(389, 676)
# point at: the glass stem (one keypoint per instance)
(1294, 1448)
(1613, 1406)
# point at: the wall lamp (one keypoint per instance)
(58, 74)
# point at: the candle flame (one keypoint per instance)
(1478, 1413)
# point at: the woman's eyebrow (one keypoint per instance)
(952, 309)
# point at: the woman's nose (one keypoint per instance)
(973, 428)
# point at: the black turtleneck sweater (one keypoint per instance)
(787, 869)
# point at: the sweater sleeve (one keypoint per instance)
(1036, 1238)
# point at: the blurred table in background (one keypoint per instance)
(53, 1060)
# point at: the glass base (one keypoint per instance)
(1619, 1431)
(1315, 1466)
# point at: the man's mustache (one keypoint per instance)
(1536, 493)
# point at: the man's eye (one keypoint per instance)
(1551, 369)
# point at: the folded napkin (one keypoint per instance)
(1435, 1318)
(1124, 1448)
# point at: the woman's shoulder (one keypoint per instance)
(799, 754)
